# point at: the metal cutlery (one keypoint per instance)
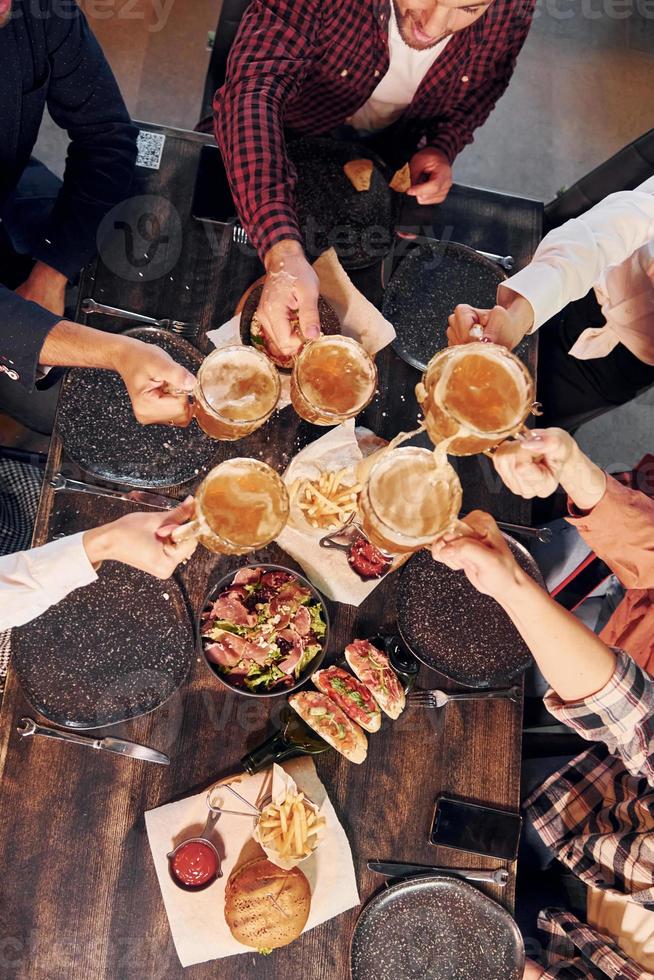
(175, 326)
(143, 497)
(505, 262)
(27, 726)
(438, 699)
(543, 534)
(397, 869)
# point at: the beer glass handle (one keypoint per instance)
(185, 532)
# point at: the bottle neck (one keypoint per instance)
(274, 749)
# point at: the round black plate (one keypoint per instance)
(456, 630)
(100, 434)
(423, 291)
(111, 651)
(435, 927)
(358, 224)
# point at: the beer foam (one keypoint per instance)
(412, 494)
(243, 504)
(336, 377)
(238, 386)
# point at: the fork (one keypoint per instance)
(438, 699)
(175, 326)
(240, 235)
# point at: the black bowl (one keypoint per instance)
(311, 667)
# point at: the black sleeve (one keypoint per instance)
(23, 328)
(84, 99)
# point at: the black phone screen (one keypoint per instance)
(481, 829)
(212, 198)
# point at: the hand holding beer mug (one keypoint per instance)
(237, 390)
(334, 378)
(474, 397)
(410, 499)
(241, 505)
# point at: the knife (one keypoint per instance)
(144, 497)
(27, 726)
(397, 869)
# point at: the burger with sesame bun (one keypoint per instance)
(265, 906)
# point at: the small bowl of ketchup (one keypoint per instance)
(194, 864)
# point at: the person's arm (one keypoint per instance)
(601, 693)
(506, 34)
(83, 99)
(266, 66)
(153, 380)
(616, 522)
(32, 581)
(568, 262)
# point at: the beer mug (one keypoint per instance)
(237, 390)
(333, 379)
(411, 497)
(241, 505)
(475, 396)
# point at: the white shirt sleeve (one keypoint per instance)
(573, 258)
(32, 581)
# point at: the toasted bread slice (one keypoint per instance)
(401, 181)
(359, 174)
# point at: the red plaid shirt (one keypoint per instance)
(309, 64)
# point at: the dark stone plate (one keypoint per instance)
(331, 212)
(424, 289)
(456, 630)
(434, 927)
(100, 434)
(111, 651)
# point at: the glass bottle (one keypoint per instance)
(293, 737)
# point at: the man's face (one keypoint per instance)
(423, 23)
(5, 12)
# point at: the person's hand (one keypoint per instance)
(431, 176)
(533, 971)
(501, 325)
(535, 465)
(290, 292)
(45, 286)
(143, 541)
(484, 555)
(150, 375)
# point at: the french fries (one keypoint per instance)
(329, 501)
(291, 828)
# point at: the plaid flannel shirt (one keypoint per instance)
(309, 64)
(597, 815)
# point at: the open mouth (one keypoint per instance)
(418, 34)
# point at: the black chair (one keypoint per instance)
(228, 23)
(625, 170)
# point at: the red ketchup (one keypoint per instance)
(194, 864)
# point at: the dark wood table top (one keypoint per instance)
(78, 893)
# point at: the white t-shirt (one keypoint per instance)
(406, 70)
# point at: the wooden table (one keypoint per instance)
(78, 893)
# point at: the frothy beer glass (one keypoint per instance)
(236, 392)
(475, 396)
(333, 379)
(241, 505)
(411, 497)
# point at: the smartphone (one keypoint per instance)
(480, 829)
(212, 198)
